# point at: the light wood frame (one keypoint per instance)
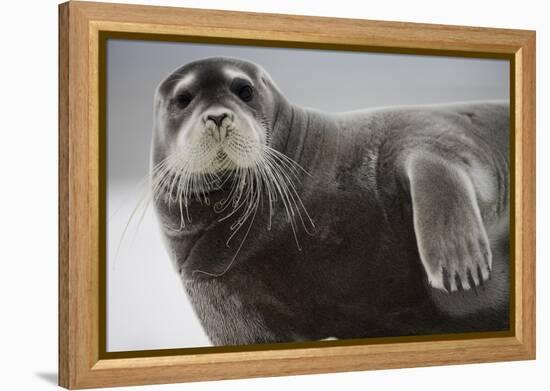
(81, 363)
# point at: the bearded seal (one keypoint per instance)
(289, 224)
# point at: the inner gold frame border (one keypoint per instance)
(83, 32)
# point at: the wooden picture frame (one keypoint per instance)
(83, 28)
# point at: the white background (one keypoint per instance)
(28, 204)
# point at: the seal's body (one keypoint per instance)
(409, 206)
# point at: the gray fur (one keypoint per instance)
(401, 198)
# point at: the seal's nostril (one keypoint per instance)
(217, 118)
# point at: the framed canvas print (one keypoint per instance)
(248, 195)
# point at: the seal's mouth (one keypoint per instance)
(219, 139)
(271, 179)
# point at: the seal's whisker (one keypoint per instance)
(224, 203)
(182, 178)
(273, 175)
(284, 157)
(269, 190)
(216, 275)
(292, 195)
(242, 201)
(143, 202)
(252, 206)
(297, 197)
(286, 197)
(282, 181)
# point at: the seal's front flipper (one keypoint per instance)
(452, 240)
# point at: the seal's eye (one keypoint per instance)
(183, 99)
(245, 93)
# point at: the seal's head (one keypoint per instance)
(215, 115)
(219, 127)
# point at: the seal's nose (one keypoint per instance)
(217, 119)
